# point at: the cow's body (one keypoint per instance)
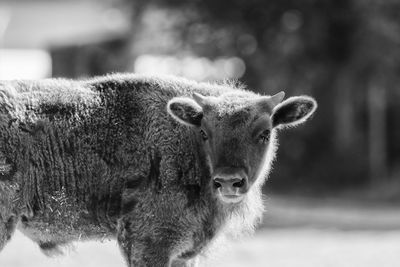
(103, 158)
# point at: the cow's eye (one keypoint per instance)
(203, 135)
(264, 136)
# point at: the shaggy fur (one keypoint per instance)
(103, 158)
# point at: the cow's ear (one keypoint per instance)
(293, 111)
(185, 110)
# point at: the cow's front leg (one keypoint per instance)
(146, 246)
(140, 254)
(152, 253)
(145, 254)
(185, 263)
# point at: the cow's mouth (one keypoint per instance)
(230, 199)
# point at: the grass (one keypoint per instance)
(296, 232)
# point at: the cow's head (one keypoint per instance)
(237, 133)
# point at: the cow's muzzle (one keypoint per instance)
(230, 184)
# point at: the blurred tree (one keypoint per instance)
(378, 58)
(344, 52)
(91, 59)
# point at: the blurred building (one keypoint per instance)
(62, 38)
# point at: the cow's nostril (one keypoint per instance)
(239, 184)
(217, 184)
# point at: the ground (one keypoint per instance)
(296, 232)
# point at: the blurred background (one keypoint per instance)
(334, 193)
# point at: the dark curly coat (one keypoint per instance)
(103, 158)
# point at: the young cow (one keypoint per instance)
(165, 165)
